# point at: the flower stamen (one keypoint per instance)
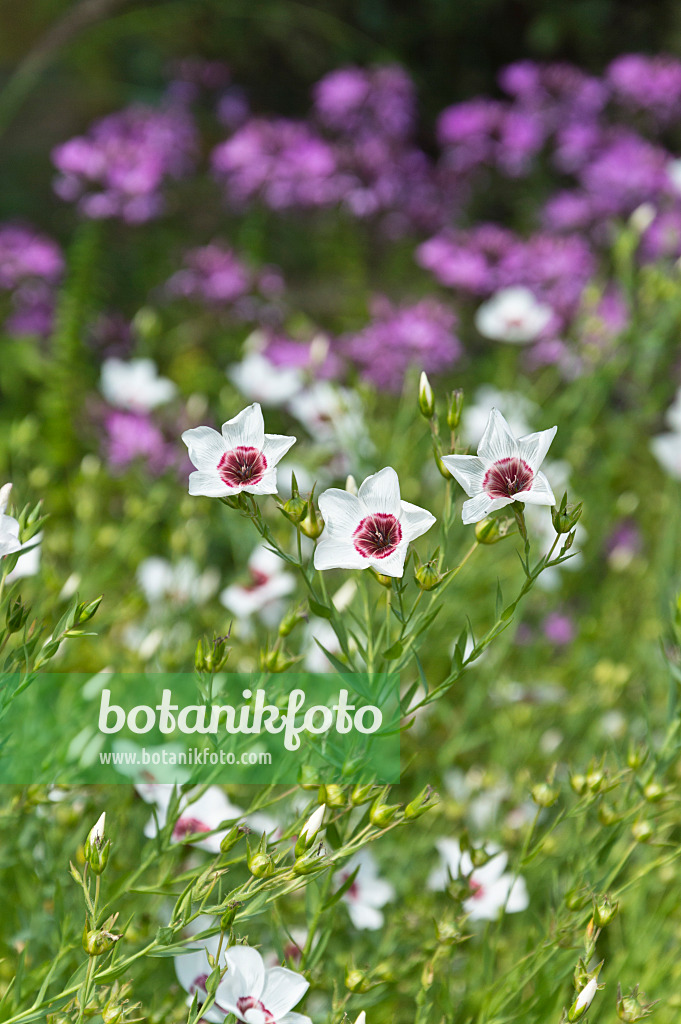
(507, 477)
(241, 466)
(377, 536)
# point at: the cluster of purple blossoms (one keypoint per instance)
(119, 168)
(488, 258)
(421, 335)
(31, 266)
(132, 436)
(648, 84)
(355, 101)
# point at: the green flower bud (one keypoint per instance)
(295, 509)
(544, 795)
(637, 755)
(428, 575)
(565, 517)
(101, 941)
(426, 399)
(426, 799)
(604, 911)
(310, 862)
(313, 524)
(454, 407)
(632, 1007)
(211, 656)
(227, 919)
(579, 784)
(381, 814)
(260, 864)
(654, 792)
(16, 616)
(97, 847)
(356, 980)
(276, 660)
(607, 815)
(642, 831)
(291, 620)
(332, 795)
(230, 840)
(362, 794)
(577, 898)
(385, 581)
(447, 933)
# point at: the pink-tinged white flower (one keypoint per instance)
(260, 380)
(181, 583)
(199, 815)
(9, 527)
(513, 315)
(242, 458)
(506, 469)
(372, 528)
(135, 385)
(256, 994)
(493, 889)
(368, 892)
(269, 583)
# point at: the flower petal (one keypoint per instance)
(363, 916)
(206, 447)
(415, 521)
(341, 511)
(294, 1018)
(283, 990)
(246, 429)
(533, 447)
(266, 485)
(276, 446)
(540, 492)
(210, 485)
(498, 441)
(336, 552)
(477, 508)
(392, 564)
(248, 966)
(381, 492)
(468, 470)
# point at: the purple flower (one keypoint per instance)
(467, 260)
(33, 306)
(662, 240)
(356, 102)
(213, 274)
(282, 162)
(131, 436)
(118, 168)
(559, 629)
(399, 337)
(26, 254)
(317, 358)
(627, 171)
(650, 84)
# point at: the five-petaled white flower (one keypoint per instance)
(263, 592)
(493, 889)
(9, 527)
(257, 378)
(372, 528)
(506, 469)
(513, 315)
(254, 993)
(200, 815)
(242, 458)
(135, 385)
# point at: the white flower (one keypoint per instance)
(667, 450)
(242, 458)
(198, 815)
(506, 469)
(259, 995)
(361, 1018)
(368, 893)
(9, 527)
(135, 385)
(192, 970)
(269, 583)
(260, 380)
(583, 1000)
(28, 563)
(372, 528)
(332, 415)
(160, 580)
(492, 889)
(96, 835)
(513, 315)
(519, 411)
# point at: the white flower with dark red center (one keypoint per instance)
(262, 594)
(256, 994)
(259, 379)
(192, 970)
(513, 315)
(506, 469)
(197, 816)
(9, 527)
(368, 892)
(135, 385)
(242, 458)
(372, 528)
(493, 890)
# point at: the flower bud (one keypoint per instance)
(87, 610)
(428, 575)
(577, 898)
(578, 783)
(276, 660)
(331, 795)
(212, 656)
(381, 814)
(654, 792)
(604, 911)
(351, 484)
(361, 1018)
(310, 861)
(295, 509)
(642, 831)
(607, 815)
(97, 848)
(632, 1008)
(426, 399)
(544, 795)
(260, 864)
(17, 614)
(454, 407)
(637, 755)
(291, 620)
(447, 933)
(101, 940)
(490, 531)
(565, 517)
(426, 799)
(228, 915)
(362, 794)
(313, 524)
(308, 832)
(356, 980)
(385, 581)
(583, 1001)
(232, 837)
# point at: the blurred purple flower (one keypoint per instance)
(118, 168)
(131, 436)
(25, 254)
(33, 307)
(354, 101)
(467, 260)
(651, 84)
(399, 337)
(316, 358)
(213, 274)
(559, 629)
(662, 240)
(626, 172)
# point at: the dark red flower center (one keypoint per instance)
(252, 1010)
(258, 579)
(507, 477)
(377, 535)
(189, 827)
(199, 985)
(242, 466)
